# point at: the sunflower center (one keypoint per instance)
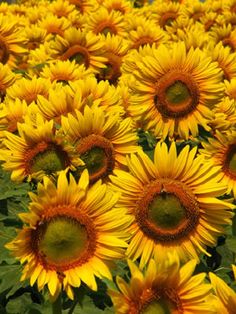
(112, 70)
(63, 239)
(77, 53)
(97, 153)
(47, 157)
(106, 28)
(158, 307)
(142, 41)
(229, 166)
(48, 161)
(4, 52)
(177, 94)
(167, 210)
(167, 19)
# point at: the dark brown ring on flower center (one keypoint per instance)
(91, 142)
(72, 215)
(228, 42)
(112, 71)
(165, 106)
(39, 149)
(229, 163)
(165, 188)
(105, 28)
(144, 40)
(167, 18)
(78, 53)
(4, 51)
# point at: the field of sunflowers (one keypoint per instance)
(118, 157)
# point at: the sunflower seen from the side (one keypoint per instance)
(102, 140)
(69, 235)
(221, 150)
(37, 150)
(173, 202)
(174, 90)
(163, 288)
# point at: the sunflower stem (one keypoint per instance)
(57, 305)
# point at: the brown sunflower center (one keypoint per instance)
(142, 41)
(229, 165)
(112, 70)
(47, 157)
(167, 210)
(167, 19)
(105, 28)
(64, 239)
(78, 53)
(97, 152)
(228, 42)
(4, 51)
(177, 94)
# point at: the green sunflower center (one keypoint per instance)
(94, 159)
(232, 163)
(158, 307)
(48, 161)
(78, 57)
(166, 211)
(63, 239)
(177, 93)
(107, 30)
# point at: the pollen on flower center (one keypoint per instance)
(177, 94)
(97, 153)
(167, 210)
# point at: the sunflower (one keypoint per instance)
(85, 6)
(147, 33)
(209, 20)
(82, 46)
(173, 203)
(115, 48)
(54, 25)
(70, 234)
(38, 150)
(12, 41)
(163, 288)
(225, 34)
(174, 90)
(104, 22)
(230, 88)
(226, 295)
(35, 36)
(221, 150)
(166, 13)
(224, 57)
(7, 79)
(28, 89)
(194, 9)
(61, 8)
(102, 140)
(122, 6)
(65, 71)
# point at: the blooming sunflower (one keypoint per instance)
(85, 6)
(70, 234)
(173, 202)
(225, 34)
(54, 25)
(61, 8)
(225, 59)
(82, 46)
(194, 9)
(174, 90)
(65, 71)
(104, 22)
(12, 40)
(221, 150)
(122, 6)
(163, 288)
(115, 48)
(37, 151)
(29, 89)
(227, 296)
(102, 140)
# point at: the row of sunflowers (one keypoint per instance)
(118, 157)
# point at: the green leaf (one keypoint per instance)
(231, 243)
(10, 276)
